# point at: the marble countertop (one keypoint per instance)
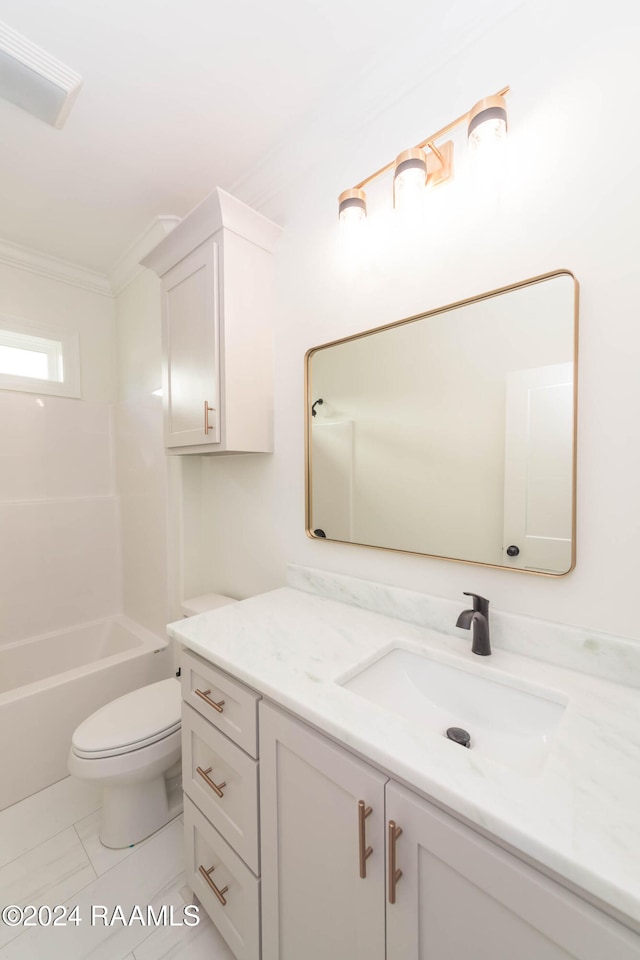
(578, 815)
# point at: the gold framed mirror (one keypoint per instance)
(452, 433)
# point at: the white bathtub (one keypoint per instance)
(49, 684)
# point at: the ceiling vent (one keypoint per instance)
(34, 80)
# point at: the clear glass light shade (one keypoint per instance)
(352, 236)
(409, 188)
(349, 216)
(488, 155)
(489, 135)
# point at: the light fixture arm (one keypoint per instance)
(436, 152)
(427, 142)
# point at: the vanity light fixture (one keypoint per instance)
(352, 206)
(352, 216)
(487, 121)
(414, 169)
(426, 164)
(409, 177)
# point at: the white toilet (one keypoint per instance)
(131, 747)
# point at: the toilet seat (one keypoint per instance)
(132, 722)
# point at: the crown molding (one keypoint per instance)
(107, 285)
(216, 211)
(127, 267)
(24, 258)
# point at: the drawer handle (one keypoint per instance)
(394, 874)
(204, 695)
(365, 851)
(219, 893)
(216, 787)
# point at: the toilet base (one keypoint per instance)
(141, 787)
(132, 812)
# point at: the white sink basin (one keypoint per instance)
(511, 725)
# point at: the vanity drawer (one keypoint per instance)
(213, 765)
(229, 705)
(235, 910)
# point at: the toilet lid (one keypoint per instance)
(141, 717)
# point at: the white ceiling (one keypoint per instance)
(179, 96)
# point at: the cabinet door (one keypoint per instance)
(461, 896)
(191, 338)
(315, 903)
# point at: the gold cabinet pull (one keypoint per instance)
(365, 851)
(204, 695)
(219, 893)
(394, 873)
(207, 411)
(216, 787)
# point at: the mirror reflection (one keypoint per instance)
(452, 433)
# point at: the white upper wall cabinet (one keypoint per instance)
(217, 307)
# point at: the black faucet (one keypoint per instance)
(479, 617)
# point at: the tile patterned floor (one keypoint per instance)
(50, 854)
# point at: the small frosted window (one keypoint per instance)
(24, 363)
(25, 356)
(38, 364)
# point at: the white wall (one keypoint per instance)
(572, 199)
(59, 527)
(42, 300)
(83, 483)
(141, 460)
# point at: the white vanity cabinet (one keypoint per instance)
(217, 306)
(433, 888)
(300, 850)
